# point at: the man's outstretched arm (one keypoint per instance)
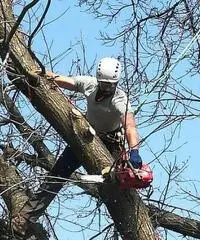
(62, 81)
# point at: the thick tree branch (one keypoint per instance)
(20, 156)
(174, 222)
(76, 131)
(12, 187)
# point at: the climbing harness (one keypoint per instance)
(116, 136)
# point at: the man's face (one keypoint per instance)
(107, 88)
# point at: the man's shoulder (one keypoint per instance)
(119, 93)
(121, 101)
(86, 79)
(120, 97)
(85, 84)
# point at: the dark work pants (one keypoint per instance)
(63, 168)
(66, 164)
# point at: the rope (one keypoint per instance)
(167, 73)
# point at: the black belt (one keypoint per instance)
(111, 136)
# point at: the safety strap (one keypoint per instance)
(115, 136)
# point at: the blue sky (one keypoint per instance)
(65, 32)
(69, 29)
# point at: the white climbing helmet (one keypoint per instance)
(108, 70)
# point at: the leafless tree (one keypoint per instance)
(35, 127)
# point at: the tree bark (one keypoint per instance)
(126, 208)
(174, 222)
(12, 188)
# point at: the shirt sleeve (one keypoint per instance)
(84, 84)
(122, 105)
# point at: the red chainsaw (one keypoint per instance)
(125, 175)
(129, 177)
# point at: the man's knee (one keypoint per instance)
(66, 164)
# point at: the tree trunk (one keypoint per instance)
(125, 207)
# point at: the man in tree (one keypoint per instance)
(108, 109)
(108, 112)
